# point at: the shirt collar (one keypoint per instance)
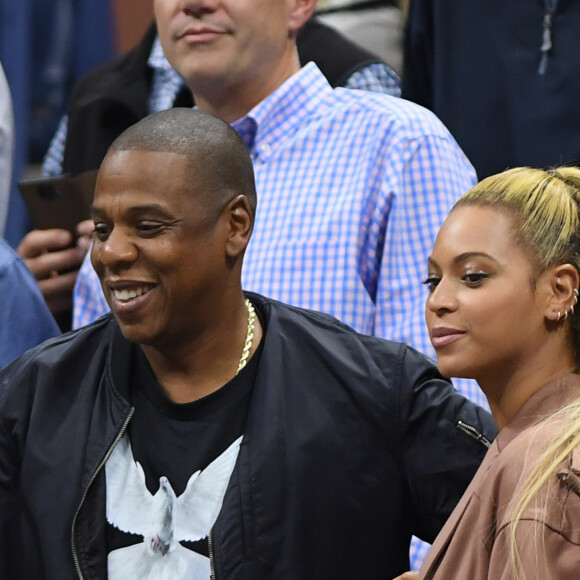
(280, 115)
(157, 60)
(274, 120)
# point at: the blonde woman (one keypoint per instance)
(503, 289)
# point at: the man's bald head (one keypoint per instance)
(218, 158)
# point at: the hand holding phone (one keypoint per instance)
(59, 202)
(54, 260)
(59, 207)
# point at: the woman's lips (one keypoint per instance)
(442, 336)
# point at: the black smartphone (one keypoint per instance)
(59, 202)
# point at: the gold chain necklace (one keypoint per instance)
(249, 336)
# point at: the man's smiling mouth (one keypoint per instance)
(126, 294)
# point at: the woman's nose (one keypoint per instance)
(442, 297)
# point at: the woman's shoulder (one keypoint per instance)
(556, 503)
(547, 534)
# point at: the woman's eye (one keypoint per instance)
(474, 278)
(431, 282)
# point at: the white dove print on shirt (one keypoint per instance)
(163, 519)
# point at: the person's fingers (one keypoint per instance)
(57, 291)
(86, 228)
(38, 242)
(84, 243)
(45, 265)
(408, 576)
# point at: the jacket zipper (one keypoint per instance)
(212, 575)
(473, 433)
(84, 496)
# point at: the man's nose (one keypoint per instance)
(117, 250)
(197, 8)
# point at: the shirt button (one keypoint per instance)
(266, 149)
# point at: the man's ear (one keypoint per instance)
(564, 281)
(240, 220)
(300, 12)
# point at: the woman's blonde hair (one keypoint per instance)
(544, 206)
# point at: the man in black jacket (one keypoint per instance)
(202, 432)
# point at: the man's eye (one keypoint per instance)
(102, 231)
(431, 282)
(149, 228)
(474, 278)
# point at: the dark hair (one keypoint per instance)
(216, 153)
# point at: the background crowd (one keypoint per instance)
(496, 86)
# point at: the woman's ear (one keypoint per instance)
(564, 282)
(240, 218)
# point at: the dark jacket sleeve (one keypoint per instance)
(336, 56)
(439, 458)
(47, 396)
(13, 414)
(417, 80)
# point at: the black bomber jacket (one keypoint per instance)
(352, 444)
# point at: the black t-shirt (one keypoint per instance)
(175, 440)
